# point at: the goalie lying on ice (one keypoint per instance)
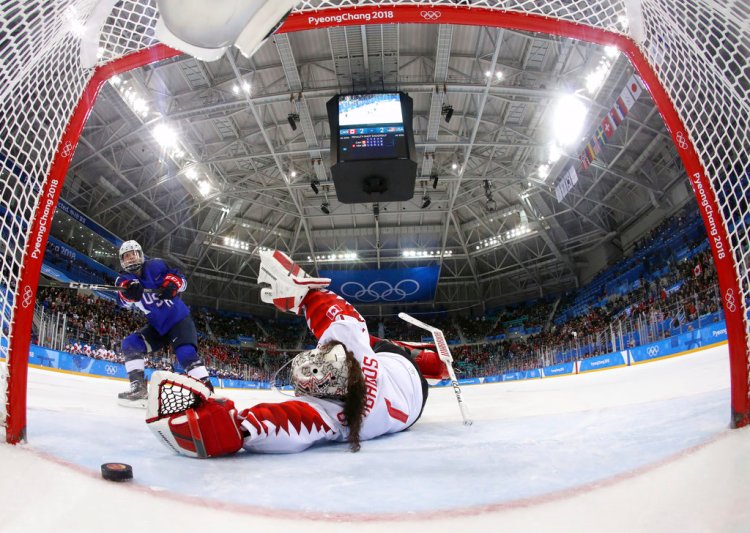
(352, 387)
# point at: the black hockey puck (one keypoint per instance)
(117, 471)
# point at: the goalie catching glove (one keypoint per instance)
(186, 416)
(284, 284)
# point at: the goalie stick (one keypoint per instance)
(84, 286)
(445, 356)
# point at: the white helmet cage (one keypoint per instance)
(322, 372)
(133, 264)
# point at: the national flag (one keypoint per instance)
(625, 101)
(583, 158)
(616, 116)
(698, 270)
(590, 151)
(634, 86)
(596, 145)
(600, 136)
(607, 127)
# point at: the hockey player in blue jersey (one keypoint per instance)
(169, 320)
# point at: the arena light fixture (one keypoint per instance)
(597, 78)
(237, 244)
(611, 51)
(504, 237)
(543, 171)
(165, 135)
(339, 256)
(568, 119)
(425, 254)
(204, 187)
(325, 207)
(554, 153)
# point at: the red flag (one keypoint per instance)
(607, 128)
(616, 115)
(698, 270)
(583, 158)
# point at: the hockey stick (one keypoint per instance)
(84, 286)
(445, 356)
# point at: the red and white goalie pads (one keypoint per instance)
(187, 418)
(284, 284)
(285, 427)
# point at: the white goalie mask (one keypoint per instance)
(322, 373)
(134, 262)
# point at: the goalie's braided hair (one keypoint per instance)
(355, 400)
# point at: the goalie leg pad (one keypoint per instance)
(187, 418)
(210, 430)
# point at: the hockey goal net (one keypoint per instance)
(691, 55)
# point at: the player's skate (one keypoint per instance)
(138, 393)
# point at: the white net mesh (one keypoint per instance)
(700, 57)
(698, 49)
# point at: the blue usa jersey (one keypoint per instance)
(161, 314)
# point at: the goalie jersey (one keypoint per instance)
(393, 385)
(163, 315)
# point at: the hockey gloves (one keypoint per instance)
(283, 283)
(133, 290)
(187, 418)
(169, 287)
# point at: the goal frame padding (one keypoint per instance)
(19, 342)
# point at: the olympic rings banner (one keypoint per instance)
(388, 285)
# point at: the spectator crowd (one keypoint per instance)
(654, 291)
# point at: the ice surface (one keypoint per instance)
(640, 448)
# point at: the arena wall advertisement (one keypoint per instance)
(700, 338)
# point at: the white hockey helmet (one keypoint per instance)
(134, 263)
(322, 372)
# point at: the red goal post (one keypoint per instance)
(690, 55)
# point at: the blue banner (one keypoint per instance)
(76, 215)
(66, 257)
(559, 370)
(385, 285)
(691, 340)
(603, 361)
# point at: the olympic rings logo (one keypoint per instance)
(730, 301)
(110, 369)
(28, 296)
(652, 350)
(380, 290)
(681, 140)
(67, 149)
(431, 15)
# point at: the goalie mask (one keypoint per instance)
(322, 373)
(134, 260)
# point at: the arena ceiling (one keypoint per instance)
(233, 176)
